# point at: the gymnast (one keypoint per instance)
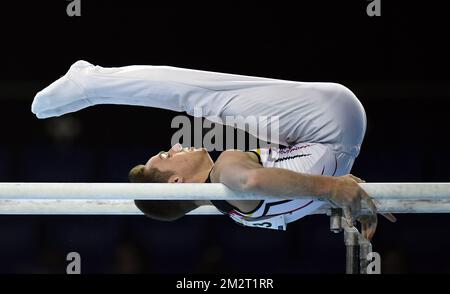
(321, 129)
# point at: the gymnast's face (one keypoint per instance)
(186, 163)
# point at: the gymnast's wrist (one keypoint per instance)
(325, 185)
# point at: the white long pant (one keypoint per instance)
(326, 113)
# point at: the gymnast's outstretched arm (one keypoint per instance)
(236, 171)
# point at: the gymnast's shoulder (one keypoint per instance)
(235, 161)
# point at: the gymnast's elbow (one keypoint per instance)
(165, 210)
(251, 182)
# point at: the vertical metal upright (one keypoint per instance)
(357, 247)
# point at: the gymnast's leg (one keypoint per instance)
(303, 109)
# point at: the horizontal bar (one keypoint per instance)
(117, 198)
(411, 191)
(81, 207)
(190, 191)
(120, 191)
(127, 207)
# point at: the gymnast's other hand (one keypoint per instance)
(346, 193)
(369, 224)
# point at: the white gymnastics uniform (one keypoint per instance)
(326, 114)
(310, 158)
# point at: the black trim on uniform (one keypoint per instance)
(222, 205)
(208, 180)
(292, 157)
(225, 207)
(259, 156)
(335, 166)
(268, 205)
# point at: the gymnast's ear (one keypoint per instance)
(175, 179)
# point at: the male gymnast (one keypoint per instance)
(322, 126)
